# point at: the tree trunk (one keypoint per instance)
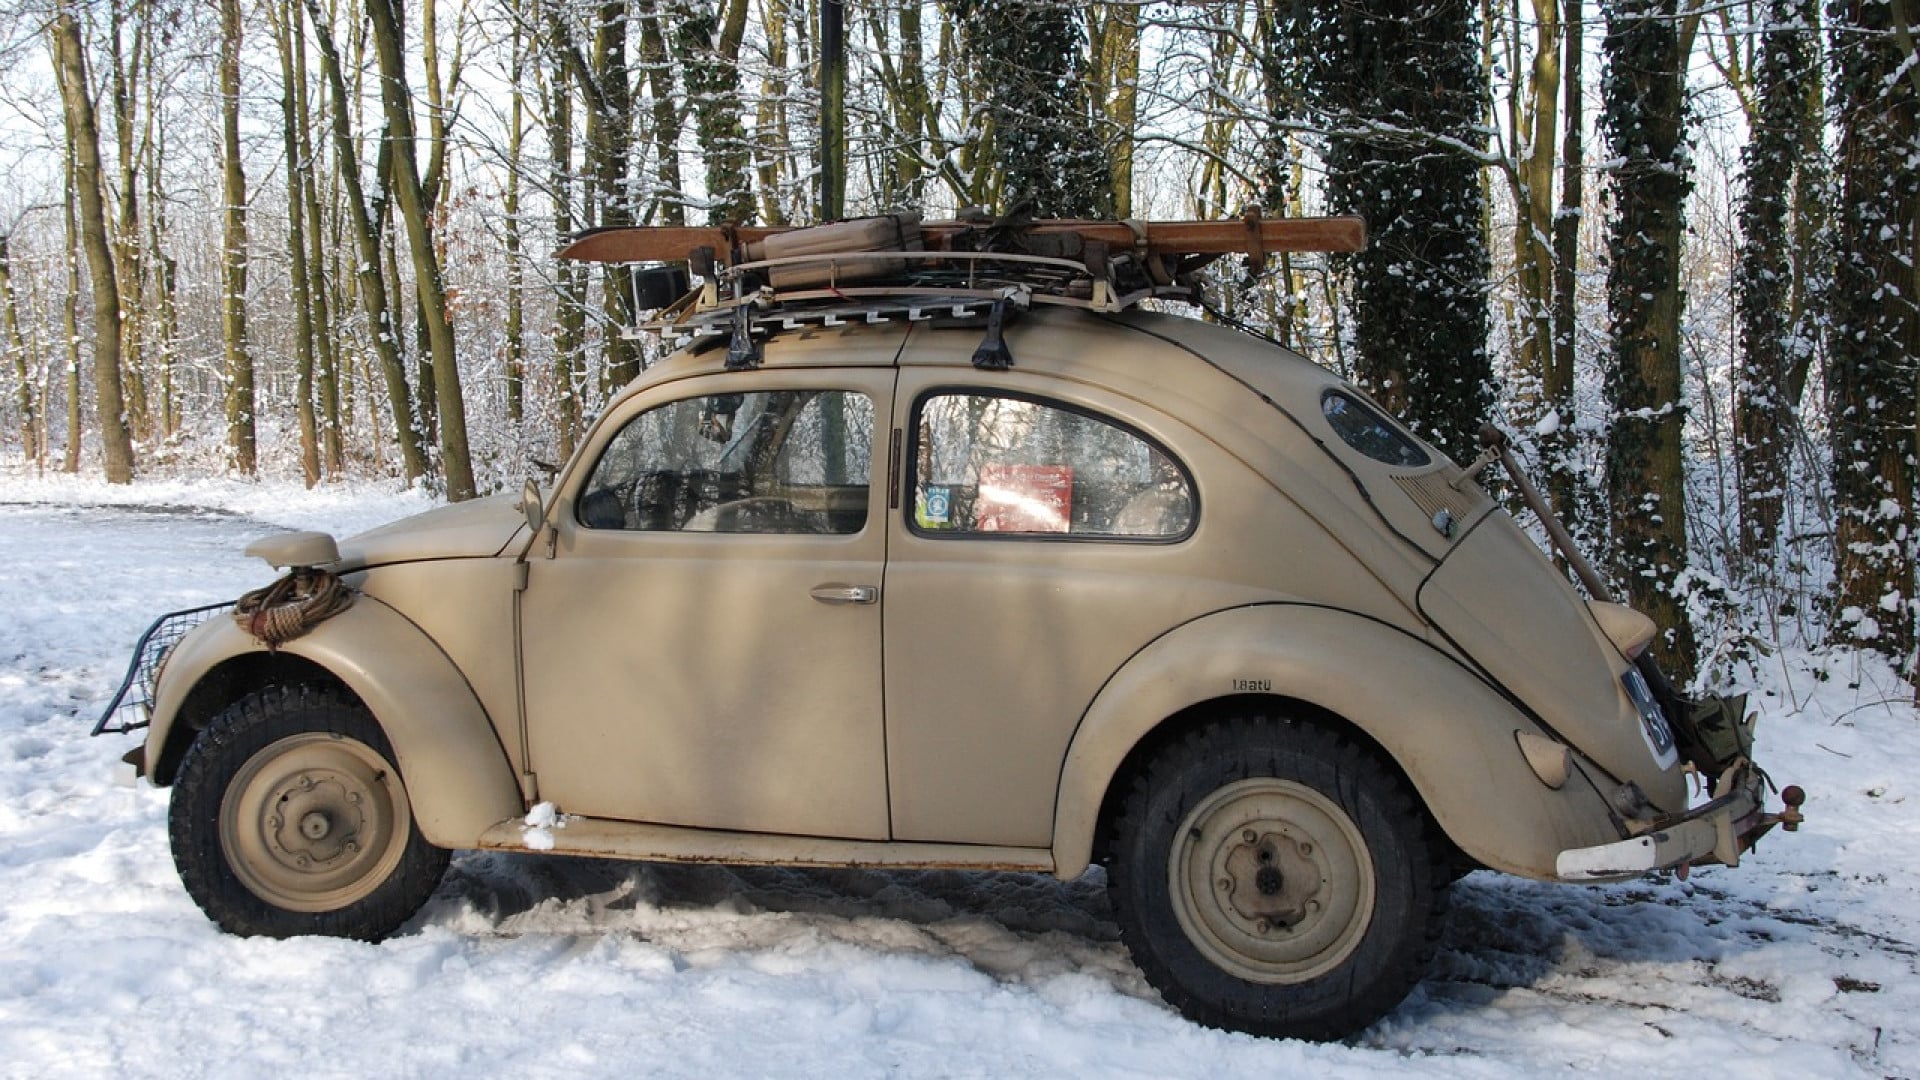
(83, 139)
(1875, 333)
(1535, 127)
(1765, 417)
(1646, 472)
(609, 145)
(70, 318)
(163, 342)
(569, 303)
(771, 141)
(233, 262)
(328, 361)
(515, 344)
(371, 276)
(657, 66)
(16, 344)
(709, 36)
(1036, 121)
(1556, 447)
(298, 291)
(429, 283)
(128, 261)
(1402, 87)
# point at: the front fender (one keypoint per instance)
(1450, 733)
(457, 774)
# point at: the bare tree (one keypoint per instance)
(429, 282)
(241, 437)
(83, 139)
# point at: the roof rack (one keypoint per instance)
(896, 266)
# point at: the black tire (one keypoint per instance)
(1274, 877)
(289, 817)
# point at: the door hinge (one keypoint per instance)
(520, 577)
(893, 471)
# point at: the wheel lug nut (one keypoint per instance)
(1306, 849)
(1249, 836)
(1226, 885)
(353, 796)
(1264, 926)
(303, 862)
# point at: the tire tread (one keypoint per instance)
(244, 728)
(1257, 741)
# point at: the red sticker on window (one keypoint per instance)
(1024, 498)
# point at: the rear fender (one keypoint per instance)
(457, 774)
(1450, 733)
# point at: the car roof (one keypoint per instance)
(1130, 351)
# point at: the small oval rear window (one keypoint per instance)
(1364, 428)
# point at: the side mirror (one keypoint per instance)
(530, 505)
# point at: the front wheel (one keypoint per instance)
(289, 817)
(1274, 877)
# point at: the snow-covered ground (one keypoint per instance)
(1799, 963)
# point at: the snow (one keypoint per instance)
(537, 830)
(1798, 963)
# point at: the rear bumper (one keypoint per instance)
(1719, 831)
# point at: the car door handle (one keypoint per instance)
(845, 594)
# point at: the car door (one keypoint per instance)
(1043, 540)
(702, 645)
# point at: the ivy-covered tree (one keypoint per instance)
(1644, 114)
(1771, 343)
(707, 41)
(1874, 339)
(1400, 88)
(1040, 141)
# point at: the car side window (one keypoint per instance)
(1365, 429)
(1013, 466)
(778, 461)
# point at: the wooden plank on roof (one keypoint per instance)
(1247, 236)
(660, 243)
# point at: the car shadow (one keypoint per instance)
(1562, 946)
(503, 886)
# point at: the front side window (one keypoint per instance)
(779, 461)
(992, 464)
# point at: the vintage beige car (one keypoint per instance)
(929, 572)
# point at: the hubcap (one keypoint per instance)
(1271, 881)
(314, 822)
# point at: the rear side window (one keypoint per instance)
(1367, 430)
(1012, 466)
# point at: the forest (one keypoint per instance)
(1670, 245)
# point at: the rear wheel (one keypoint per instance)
(1274, 877)
(289, 817)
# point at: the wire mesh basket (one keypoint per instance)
(132, 705)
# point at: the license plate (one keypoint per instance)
(1653, 723)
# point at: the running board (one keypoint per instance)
(604, 839)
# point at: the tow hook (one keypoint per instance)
(1790, 818)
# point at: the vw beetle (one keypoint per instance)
(934, 549)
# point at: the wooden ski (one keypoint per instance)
(1252, 235)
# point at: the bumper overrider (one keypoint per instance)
(1717, 831)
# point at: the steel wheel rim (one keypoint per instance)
(314, 822)
(1271, 881)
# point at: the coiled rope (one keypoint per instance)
(291, 606)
